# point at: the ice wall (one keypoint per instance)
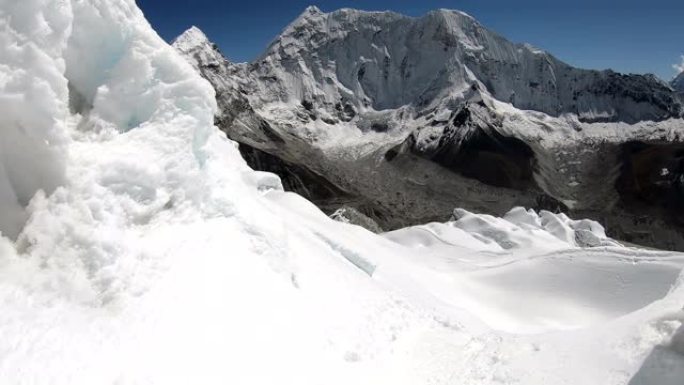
(82, 70)
(33, 104)
(104, 130)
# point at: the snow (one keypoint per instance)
(380, 61)
(347, 87)
(678, 81)
(32, 108)
(523, 273)
(144, 250)
(191, 38)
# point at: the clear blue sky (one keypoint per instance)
(645, 36)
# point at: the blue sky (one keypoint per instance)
(625, 35)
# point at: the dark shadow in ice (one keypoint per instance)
(350, 255)
(665, 364)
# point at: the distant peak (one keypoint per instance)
(533, 49)
(310, 12)
(678, 82)
(453, 12)
(312, 9)
(450, 13)
(191, 38)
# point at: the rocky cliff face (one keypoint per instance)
(405, 118)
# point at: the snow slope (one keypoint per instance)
(385, 60)
(156, 256)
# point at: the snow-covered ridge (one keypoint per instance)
(193, 43)
(389, 60)
(191, 38)
(160, 258)
(678, 83)
(343, 94)
(519, 230)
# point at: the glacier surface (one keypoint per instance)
(138, 247)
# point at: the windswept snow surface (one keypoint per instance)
(144, 251)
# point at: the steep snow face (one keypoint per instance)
(383, 60)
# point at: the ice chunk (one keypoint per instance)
(33, 106)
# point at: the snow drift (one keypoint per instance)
(144, 250)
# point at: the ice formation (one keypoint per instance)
(140, 248)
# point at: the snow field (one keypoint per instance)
(139, 248)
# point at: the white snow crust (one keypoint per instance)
(138, 248)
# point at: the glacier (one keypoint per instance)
(138, 247)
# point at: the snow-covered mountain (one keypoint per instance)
(384, 61)
(140, 248)
(404, 118)
(678, 83)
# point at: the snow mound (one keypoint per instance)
(519, 229)
(525, 273)
(153, 254)
(536, 227)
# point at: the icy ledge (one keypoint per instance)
(154, 255)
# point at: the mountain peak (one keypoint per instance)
(312, 9)
(678, 83)
(194, 44)
(452, 12)
(191, 38)
(310, 12)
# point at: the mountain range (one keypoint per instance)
(402, 119)
(137, 246)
